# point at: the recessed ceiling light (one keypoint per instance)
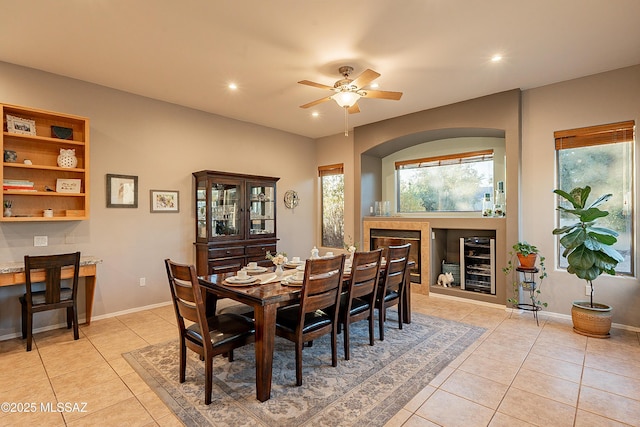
(374, 85)
(315, 114)
(496, 58)
(233, 86)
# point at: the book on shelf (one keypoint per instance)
(22, 182)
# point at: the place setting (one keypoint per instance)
(254, 268)
(294, 262)
(296, 279)
(242, 278)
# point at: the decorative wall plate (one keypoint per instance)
(291, 199)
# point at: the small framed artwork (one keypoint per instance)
(68, 185)
(122, 191)
(20, 125)
(164, 201)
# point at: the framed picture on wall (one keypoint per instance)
(164, 201)
(122, 191)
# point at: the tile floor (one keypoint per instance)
(516, 374)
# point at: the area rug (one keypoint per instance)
(368, 389)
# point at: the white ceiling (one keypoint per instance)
(435, 51)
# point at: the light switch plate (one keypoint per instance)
(40, 241)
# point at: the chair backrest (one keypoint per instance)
(322, 285)
(364, 274)
(395, 273)
(52, 266)
(187, 297)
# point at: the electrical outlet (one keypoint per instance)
(40, 241)
(143, 281)
(587, 290)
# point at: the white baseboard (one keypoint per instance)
(541, 313)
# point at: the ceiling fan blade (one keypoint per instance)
(314, 84)
(353, 109)
(316, 102)
(382, 94)
(365, 78)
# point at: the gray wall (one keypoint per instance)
(162, 144)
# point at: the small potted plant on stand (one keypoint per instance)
(589, 252)
(527, 255)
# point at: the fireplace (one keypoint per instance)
(383, 238)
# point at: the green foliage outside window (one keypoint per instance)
(332, 210)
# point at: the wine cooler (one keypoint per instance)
(477, 264)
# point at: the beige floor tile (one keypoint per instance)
(21, 368)
(606, 362)
(503, 420)
(487, 367)
(557, 351)
(547, 386)
(135, 383)
(612, 383)
(121, 366)
(557, 334)
(97, 397)
(609, 405)
(154, 405)
(419, 398)
(438, 409)
(113, 345)
(418, 421)
(169, 421)
(69, 356)
(442, 376)
(535, 409)
(477, 389)
(499, 350)
(588, 419)
(30, 419)
(73, 381)
(554, 367)
(399, 419)
(103, 326)
(55, 337)
(127, 412)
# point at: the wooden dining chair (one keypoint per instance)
(392, 284)
(358, 301)
(317, 313)
(207, 336)
(56, 294)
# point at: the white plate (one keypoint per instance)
(235, 280)
(300, 267)
(291, 281)
(256, 269)
(292, 264)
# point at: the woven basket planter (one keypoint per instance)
(593, 321)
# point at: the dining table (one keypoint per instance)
(268, 293)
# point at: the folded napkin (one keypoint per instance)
(267, 278)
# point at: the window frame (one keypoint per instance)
(324, 171)
(594, 136)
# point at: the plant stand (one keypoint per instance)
(528, 284)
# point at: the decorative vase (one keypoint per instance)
(279, 270)
(528, 261)
(67, 158)
(7, 212)
(590, 321)
(352, 253)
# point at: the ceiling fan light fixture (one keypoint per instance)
(346, 99)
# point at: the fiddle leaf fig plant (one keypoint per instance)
(588, 248)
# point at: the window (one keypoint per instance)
(455, 182)
(332, 205)
(602, 158)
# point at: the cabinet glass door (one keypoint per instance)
(262, 209)
(201, 210)
(226, 202)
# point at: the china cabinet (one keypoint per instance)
(45, 170)
(235, 220)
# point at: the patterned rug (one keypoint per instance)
(368, 389)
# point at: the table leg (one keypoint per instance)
(90, 290)
(265, 318)
(406, 313)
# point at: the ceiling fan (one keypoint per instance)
(348, 91)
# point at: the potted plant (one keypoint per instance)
(529, 253)
(589, 251)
